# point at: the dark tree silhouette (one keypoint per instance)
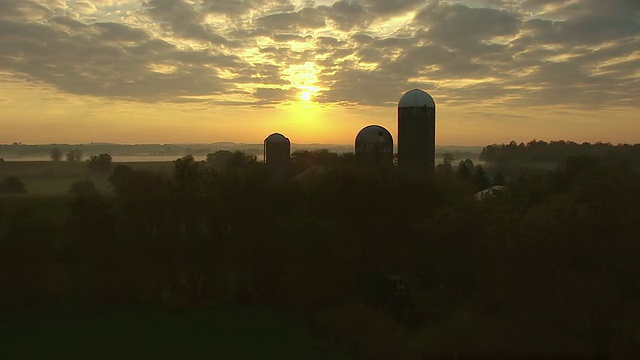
(465, 169)
(12, 185)
(480, 178)
(56, 154)
(74, 155)
(100, 163)
(83, 188)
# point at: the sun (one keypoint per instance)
(305, 95)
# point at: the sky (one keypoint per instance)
(202, 71)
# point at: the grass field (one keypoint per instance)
(49, 178)
(117, 334)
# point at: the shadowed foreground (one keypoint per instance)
(118, 334)
(375, 262)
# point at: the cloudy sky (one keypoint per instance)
(169, 71)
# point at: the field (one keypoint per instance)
(50, 178)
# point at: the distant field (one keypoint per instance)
(50, 178)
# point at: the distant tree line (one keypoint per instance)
(556, 152)
(388, 266)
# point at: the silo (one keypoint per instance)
(416, 131)
(374, 146)
(277, 151)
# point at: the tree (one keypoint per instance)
(465, 169)
(100, 163)
(83, 188)
(445, 167)
(74, 155)
(219, 159)
(56, 154)
(480, 178)
(224, 160)
(121, 174)
(12, 185)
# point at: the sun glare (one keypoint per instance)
(305, 95)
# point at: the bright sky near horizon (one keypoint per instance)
(200, 71)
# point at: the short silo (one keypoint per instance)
(374, 146)
(416, 131)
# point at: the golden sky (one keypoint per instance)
(201, 71)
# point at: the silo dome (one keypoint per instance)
(416, 98)
(276, 137)
(374, 146)
(374, 134)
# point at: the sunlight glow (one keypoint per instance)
(305, 95)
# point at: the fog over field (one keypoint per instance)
(169, 152)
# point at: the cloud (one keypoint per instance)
(267, 96)
(482, 54)
(183, 19)
(460, 25)
(306, 18)
(26, 9)
(108, 60)
(364, 52)
(242, 7)
(348, 15)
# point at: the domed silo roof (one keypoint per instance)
(276, 138)
(416, 98)
(374, 146)
(374, 134)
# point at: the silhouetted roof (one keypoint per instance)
(416, 98)
(276, 137)
(374, 134)
(489, 191)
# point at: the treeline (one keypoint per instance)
(388, 266)
(555, 152)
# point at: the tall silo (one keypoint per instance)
(374, 146)
(416, 131)
(277, 152)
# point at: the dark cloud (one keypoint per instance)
(266, 96)
(392, 7)
(460, 25)
(183, 19)
(346, 15)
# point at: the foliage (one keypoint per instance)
(12, 185)
(74, 155)
(100, 163)
(548, 266)
(56, 154)
(224, 160)
(83, 188)
(304, 159)
(555, 152)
